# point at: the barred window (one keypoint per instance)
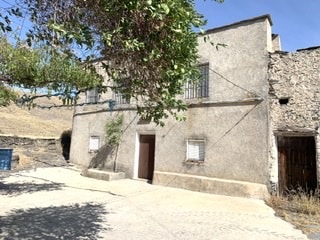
(201, 88)
(195, 150)
(120, 98)
(92, 95)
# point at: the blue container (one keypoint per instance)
(5, 158)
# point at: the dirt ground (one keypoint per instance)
(308, 223)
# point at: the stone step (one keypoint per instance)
(103, 174)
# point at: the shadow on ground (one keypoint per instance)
(63, 222)
(15, 189)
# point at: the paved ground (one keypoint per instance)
(58, 203)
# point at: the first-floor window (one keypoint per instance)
(94, 143)
(195, 150)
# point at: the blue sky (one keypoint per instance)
(296, 21)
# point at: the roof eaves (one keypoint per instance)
(265, 16)
(308, 49)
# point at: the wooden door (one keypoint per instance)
(297, 163)
(146, 156)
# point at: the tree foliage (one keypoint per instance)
(148, 47)
(59, 74)
(114, 130)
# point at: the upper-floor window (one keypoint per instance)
(199, 89)
(120, 98)
(92, 96)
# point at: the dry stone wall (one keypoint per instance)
(295, 90)
(33, 152)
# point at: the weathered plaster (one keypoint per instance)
(233, 120)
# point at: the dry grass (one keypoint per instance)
(36, 122)
(299, 208)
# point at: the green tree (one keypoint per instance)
(148, 47)
(42, 67)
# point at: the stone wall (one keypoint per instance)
(294, 100)
(295, 90)
(33, 152)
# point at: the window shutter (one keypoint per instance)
(94, 143)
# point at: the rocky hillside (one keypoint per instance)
(36, 122)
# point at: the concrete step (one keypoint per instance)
(103, 174)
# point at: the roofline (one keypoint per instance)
(308, 48)
(265, 16)
(298, 50)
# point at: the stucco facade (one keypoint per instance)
(231, 122)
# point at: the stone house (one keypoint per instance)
(294, 101)
(235, 120)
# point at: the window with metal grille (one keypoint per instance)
(199, 89)
(92, 95)
(195, 150)
(120, 98)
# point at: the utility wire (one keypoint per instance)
(24, 18)
(16, 22)
(229, 81)
(230, 129)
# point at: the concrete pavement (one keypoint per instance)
(59, 203)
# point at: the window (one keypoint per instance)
(195, 150)
(201, 88)
(284, 101)
(94, 143)
(120, 98)
(92, 95)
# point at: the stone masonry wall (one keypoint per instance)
(33, 152)
(294, 100)
(296, 77)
